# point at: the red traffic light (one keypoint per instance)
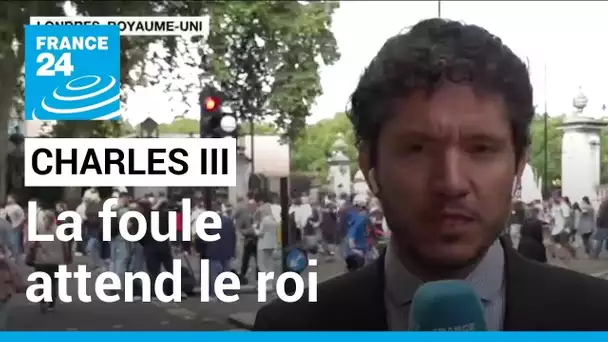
(211, 103)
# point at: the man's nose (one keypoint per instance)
(448, 175)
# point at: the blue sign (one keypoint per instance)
(296, 260)
(72, 72)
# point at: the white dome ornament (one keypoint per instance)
(579, 102)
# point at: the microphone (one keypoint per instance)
(446, 305)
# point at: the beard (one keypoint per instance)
(412, 254)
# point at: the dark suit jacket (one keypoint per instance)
(224, 248)
(539, 297)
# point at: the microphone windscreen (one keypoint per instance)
(446, 305)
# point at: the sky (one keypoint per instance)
(566, 38)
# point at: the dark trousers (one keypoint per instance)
(104, 250)
(587, 242)
(158, 255)
(250, 250)
(49, 269)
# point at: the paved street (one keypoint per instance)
(190, 314)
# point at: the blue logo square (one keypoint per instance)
(72, 72)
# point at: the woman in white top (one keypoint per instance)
(560, 212)
(48, 255)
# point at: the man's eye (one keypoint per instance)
(414, 148)
(479, 149)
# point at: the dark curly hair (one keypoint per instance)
(435, 51)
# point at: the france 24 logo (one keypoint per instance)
(72, 72)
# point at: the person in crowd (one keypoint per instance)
(197, 209)
(92, 231)
(137, 260)
(586, 223)
(221, 252)
(120, 248)
(243, 218)
(267, 238)
(516, 219)
(181, 245)
(301, 214)
(16, 216)
(344, 209)
(11, 282)
(330, 235)
(560, 213)
(569, 218)
(600, 236)
(531, 243)
(157, 254)
(275, 205)
(357, 238)
(46, 256)
(310, 231)
(441, 117)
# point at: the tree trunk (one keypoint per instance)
(6, 104)
(10, 68)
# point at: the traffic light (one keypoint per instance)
(214, 122)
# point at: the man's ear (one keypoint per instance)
(364, 160)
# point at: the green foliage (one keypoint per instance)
(266, 57)
(260, 128)
(89, 129)
(554, 147)
(133, 51)
(191, 126)
(13, 16)
(310, 150)
(604, 157)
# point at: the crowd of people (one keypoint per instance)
(337, 228)
(557, 227)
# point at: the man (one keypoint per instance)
(329, 227)
(243, 221)
(197, 209)
(601, 232)
(120, 249)
(357, 244)
(221, 252)
(442, 117)
(16, 216)
(301, 212)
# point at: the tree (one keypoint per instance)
(604, 156)
(133, 53)
(260, 128)
(13, 16)
(91, 129)
(266, 55)
(554, 147)
(311, 149)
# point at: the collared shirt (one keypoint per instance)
(487, 280)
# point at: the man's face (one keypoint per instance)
(445, 168)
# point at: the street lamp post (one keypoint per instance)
(439, 9)
(545, 144)
(546, 155)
